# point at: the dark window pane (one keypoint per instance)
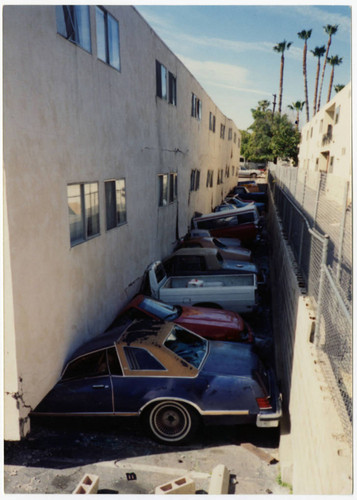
(113, 40)
(101, 35)
(75, 209)
(113, 361)
(92, 208)
(141, 359)
(90, 365)
(110, 203)
(187, 345)
(120, 201)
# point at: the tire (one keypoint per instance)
(171, 422)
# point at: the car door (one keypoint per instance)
(85, 387)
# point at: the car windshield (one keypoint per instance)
(188, 346)
(163, 311)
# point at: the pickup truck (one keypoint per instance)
(203, 261)
(232, 292)
(244, 194)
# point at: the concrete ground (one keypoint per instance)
(57, 454)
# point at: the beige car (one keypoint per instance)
(227, 252)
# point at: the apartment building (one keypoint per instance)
(110, 146)
(326, 145)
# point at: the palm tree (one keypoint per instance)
(338, 87)
(334, 61)
(298, 107)
(305, 35)
(263, 105)
(281, 48)
(330, 30)
(317, 52)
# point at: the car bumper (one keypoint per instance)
(271, 418)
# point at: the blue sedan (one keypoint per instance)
(170, 377)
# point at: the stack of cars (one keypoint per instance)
(188, 359)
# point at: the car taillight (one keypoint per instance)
(264, 403)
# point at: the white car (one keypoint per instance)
(250, 172)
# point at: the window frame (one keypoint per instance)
(222, 131)
(116, 206)
(172, 89)
(161, 83)
(172, 187)
(107, 17)
(84, 219)
(66, 35)
(196, 107)
(163, 198)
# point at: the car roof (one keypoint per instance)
(195, 251)
(234, 211)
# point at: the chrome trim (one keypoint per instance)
(194, 405)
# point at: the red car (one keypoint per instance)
(213, 324)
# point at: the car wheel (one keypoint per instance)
(172, 422)
(253, 175)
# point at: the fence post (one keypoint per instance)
(342, 233)
(322, 272)
(303, 191)
(317, 199)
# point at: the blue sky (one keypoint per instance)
(229, 49)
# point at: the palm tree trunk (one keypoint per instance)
(330, 86)
(323, 72)
(305, 81)
(281, 82)
(316, 84)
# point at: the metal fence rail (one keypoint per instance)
(319, 232)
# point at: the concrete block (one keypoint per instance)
(87, 486)
(181, 486)
(219, 483)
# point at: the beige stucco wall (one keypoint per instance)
(314, 457)
(69, 118)
(312, 146)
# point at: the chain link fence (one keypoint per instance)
(319, 232)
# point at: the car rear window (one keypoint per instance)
(188, 346)
(141, 359)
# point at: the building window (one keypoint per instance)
(229, 134)
(83, 208)
(209, 182)
(337, 114)
(73, 24)
(196, 107)
(220, 176)
(330, 167)
(232, 170)
(227, 171)
(172, 89)
(311, 131)
(173, 188)
(107, 38)
(115, 203)
(161, 80)
(316, 164)
(235, 137)
(163, 190)
(223, 131)
(212, 122)
(195, 180)
(321, 125)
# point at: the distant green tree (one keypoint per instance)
(338, 87)
(285, 139)
(281, 48)
(298, 107)
(305, 35)
(330, 30)
(317, 52)
(270, 136)
(333, 61)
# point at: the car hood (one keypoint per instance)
(229, 358)
(235, 265)
(210, 317)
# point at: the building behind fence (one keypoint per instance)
(319, 232)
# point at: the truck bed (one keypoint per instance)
(213, 281)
